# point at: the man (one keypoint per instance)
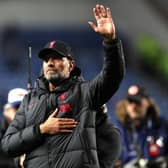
(55, 125)
(15, 97)
(144, 132)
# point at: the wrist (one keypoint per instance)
(42, 129)
(109, 39)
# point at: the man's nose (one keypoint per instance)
(50, 61)
(133, 105)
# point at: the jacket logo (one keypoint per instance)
(62, 97)
(31, 105)
(65, 107)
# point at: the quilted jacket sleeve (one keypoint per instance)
(101, 88)
(19, 139)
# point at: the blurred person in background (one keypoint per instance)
(55, 125)
(144, 131)
(15, 97)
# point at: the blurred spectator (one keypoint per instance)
(144, 131)
(15, 97)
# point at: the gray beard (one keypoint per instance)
(55, 79)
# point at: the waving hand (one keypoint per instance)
(105, 25)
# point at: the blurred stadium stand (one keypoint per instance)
(161, 7)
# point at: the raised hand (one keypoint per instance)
(105, 25)
(55, 125)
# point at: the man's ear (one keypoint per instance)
(71, 65)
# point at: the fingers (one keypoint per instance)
(68, 123)
(93, 26)
(54, 114)
(103, 12)
(108, 12)
(65, 120)
(96, 13)
(67, 126)
(100, 11)
(64, 126)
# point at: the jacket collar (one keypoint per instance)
(42, 85)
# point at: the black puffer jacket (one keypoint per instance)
(108, 140)
(75, 99)
(5, 161)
